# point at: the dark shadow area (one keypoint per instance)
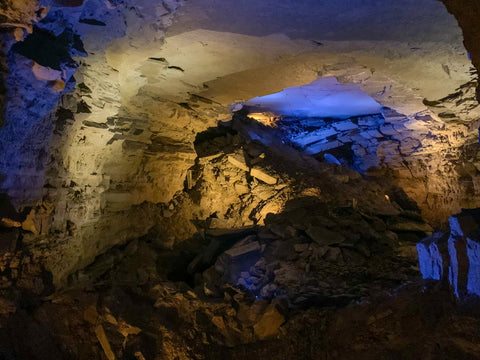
(69, 3)
(3, 88)
(49, 50)
(23, 338)
(213, 140)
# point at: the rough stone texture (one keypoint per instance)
(269, 323)
(19, 13)
(88, 149)
(141, 304)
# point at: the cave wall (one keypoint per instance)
(72, 157)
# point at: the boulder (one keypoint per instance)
(329, 158)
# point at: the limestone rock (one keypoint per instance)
(269, 323)
(414, 226)
(45, 73)
(9, 223)
(243, 250)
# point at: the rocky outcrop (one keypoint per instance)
(230, 285)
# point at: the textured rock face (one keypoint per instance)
(312, 247)
(19, 12)
(16, 18)
(87, 150)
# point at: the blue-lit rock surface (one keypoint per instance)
(455, 255)
(430, 258)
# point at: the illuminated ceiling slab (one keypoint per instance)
(324, 97)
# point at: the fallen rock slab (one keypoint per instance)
(102, 338)
(413, 226)
(262, 175)
(323, 236)
(238, 162)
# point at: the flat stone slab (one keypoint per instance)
(238, 162)
(319, 147)
(261, 174)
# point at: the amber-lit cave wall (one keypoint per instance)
(98, 142)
